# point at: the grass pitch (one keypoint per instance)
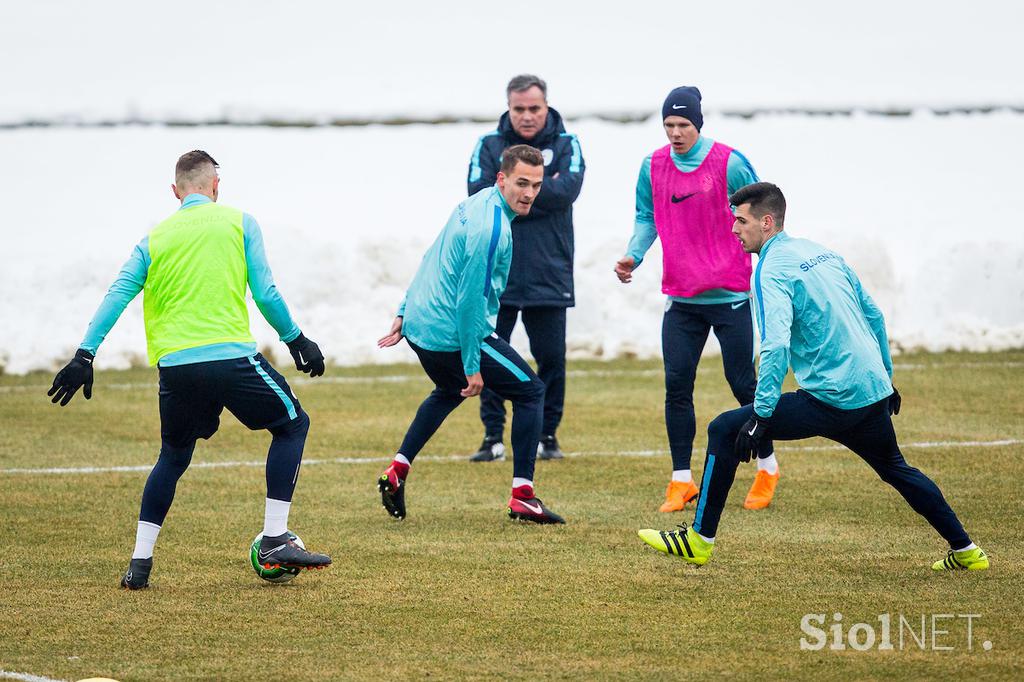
(457, 590)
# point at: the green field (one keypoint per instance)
(459, 591)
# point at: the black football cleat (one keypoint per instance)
(491, 450)
(532, 510)
(137, 575)
(282, 551)
(392, 493)
(548, 448)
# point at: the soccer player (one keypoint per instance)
(540, 283)
(682, 196)
(194, 268)
(448, 318)
(813, 314)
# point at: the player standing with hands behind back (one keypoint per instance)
(682, 196)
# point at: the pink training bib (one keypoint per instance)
(694, 223)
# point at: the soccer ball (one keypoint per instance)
(273, 575)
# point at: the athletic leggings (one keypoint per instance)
(545, 328)
(684, 331)
(506, 373)
(868, 431)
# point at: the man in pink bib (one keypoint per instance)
(682, 196)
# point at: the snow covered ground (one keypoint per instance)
(923, 207)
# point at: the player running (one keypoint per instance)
(448, 318)
(194, 268)
(813, 313)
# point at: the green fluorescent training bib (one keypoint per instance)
(195, 287)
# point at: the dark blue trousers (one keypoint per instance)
(506, 373)
(192, 398)
(868, 431)
(684, 331)
(545, 327)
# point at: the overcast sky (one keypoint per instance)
(204, 58)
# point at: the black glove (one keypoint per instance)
(749, 438)
(895, 401)
(75, 375)
(307, 356)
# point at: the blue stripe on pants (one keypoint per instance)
(505, 362)
(506, 373)
(288, 404)
(704, 486)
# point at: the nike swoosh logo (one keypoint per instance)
(751, 431)
(737, 305)
(678, 106)
(536, 510)
(266, 555)
(677, 199)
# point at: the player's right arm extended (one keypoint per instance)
(644, 232)
(774, 313)
(126, 287)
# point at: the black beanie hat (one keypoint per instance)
(684, 101)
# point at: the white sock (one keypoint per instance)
(516, 482)
(964, 549)
(403, 459)
(710, 541)
(145, 539)
(682, 475)
(769, 464)
(275, 519)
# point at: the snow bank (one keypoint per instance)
(918, 205)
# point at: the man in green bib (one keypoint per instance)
(194, 269)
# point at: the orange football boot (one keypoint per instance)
(762, 491)
(678, 495)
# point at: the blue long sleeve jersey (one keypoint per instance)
(132, 278)
(452, 303)
(739, 173)
(812, 311)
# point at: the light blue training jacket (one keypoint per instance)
(739, 173)
(452, 303)
(812, 311)
(132, 279)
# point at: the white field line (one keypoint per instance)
(462, 458)
(402, 378)
(25, 677)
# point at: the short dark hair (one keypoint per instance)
(764, 198)
(531, 156)
(191, 165)
(524, 82)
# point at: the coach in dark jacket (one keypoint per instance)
(540, 282)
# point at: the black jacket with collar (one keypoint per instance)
(542, 242)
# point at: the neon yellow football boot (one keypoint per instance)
(967, 560)
(684, 543)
